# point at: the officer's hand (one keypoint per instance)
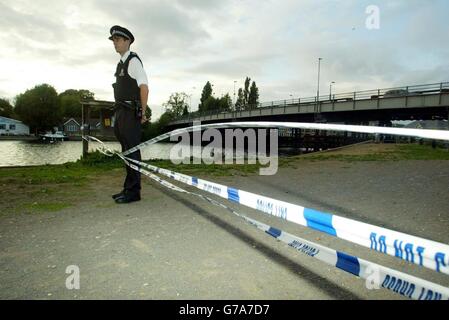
(144, 119)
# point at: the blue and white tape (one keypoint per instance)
(377, 276)
(419, 133)
(427, 253)
(423, 252)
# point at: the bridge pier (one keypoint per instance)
(297, 139)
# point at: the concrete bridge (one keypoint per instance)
(371, 107)
(426, 102)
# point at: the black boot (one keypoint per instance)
(127, 198)
(118, 195)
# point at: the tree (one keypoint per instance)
(239, 104)
(246, 93)
(176, 104)
(39, 108)
(70, 104)
(206, 94)
(248, 97)
(148, 113)
(185, 111)
(210, 104)
(225, 103)
(86, 95)
(6, 109)
(253, 99)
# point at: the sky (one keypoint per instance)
(185, 43)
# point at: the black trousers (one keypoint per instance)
(127, 129)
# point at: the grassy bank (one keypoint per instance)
(78, 173)
(51, 188)
(380, 152)
(70, 173)
(208, 169)
(54, 187)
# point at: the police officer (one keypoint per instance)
(131, 97)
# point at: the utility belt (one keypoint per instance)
(135, 106)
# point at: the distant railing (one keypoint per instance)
(424, 89)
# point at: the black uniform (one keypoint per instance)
(127, 127)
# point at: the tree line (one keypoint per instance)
(178, 106)
(42, 108)
(247, 98)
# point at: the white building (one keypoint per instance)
(13, 127)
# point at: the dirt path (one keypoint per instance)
(173, 246)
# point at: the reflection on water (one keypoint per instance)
(24, 153)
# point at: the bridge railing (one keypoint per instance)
(442, 87)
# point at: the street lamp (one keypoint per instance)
(330, 90)
(318, 90)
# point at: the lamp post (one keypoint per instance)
(330, 90)
(318, 89)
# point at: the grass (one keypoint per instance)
(398, 152)
(75, 173)
(209, 169)
(51, 188)
(421, 152)
(78, 173)
(46, 206)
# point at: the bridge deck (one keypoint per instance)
(380, 105)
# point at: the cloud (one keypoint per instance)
(162, 29)
(184, 43)
(234, 67)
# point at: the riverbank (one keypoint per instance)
(18, 138)
(71, 178)
(102, 138)
(34, 138)
(172, 246)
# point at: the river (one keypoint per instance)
(25, 153)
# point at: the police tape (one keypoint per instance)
(423, 252)
(427, 253)
(376, 276)
(419, 133)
